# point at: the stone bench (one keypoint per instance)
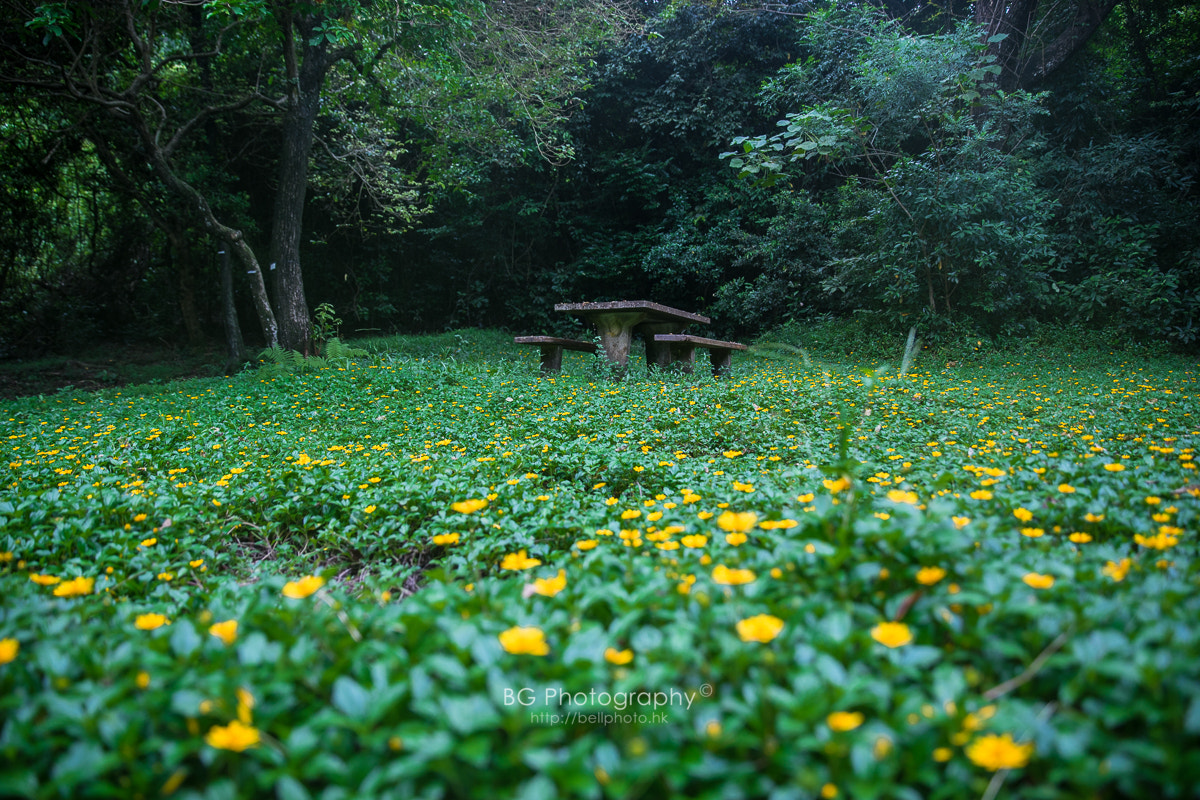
(552, 349)
(683, 351)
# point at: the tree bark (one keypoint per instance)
(235, 348)
(1044, 59)
(306, 78)
(1022, 61)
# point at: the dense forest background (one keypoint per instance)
(214, 171)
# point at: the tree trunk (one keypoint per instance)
(307, 77)
(235, 348)
(1025, 61)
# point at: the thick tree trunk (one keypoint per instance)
(1025, 61)
(308, 78)
(1047, 57)
(235, 348)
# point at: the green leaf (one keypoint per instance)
(350, 698)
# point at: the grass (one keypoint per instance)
(817, 579)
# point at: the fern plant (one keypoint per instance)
(277, 361)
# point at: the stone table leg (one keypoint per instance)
(616, 334)
(658, 354)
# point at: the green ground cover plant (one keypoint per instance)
(442, 575)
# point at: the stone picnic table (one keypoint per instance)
(617, 320)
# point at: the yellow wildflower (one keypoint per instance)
(8, 650)
(732, 577)
(695, 540)
(445, 538)
(235, 736)
(75, 588)
(519, 561)
(732, 522)
(892, 634)
(304, 587)
(524, 641)
(841, 721)
(614, 656)
(994, 752)
(225, 631)
(1038, 581)
(760, 628)
(928, 576)
(43, 580)
(149, 622)
(548, 587)
(469, 506)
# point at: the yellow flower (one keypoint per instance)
(548, 587)
(199, 562)
(892, 634)
(369, 509)
(928, 576)
(901, 496)
(612, 501)
(942, 754)
(961, 522)
(732, 577)
(1117, 570)
(1023, 514)
(43, 580)
(235, 736)
(1032, 533)
(148, 622)
(804, 498)
(1038, 581)
(735, 539)
(142, 679)
(1159, 541)
(75, 588)
(469, 506)
(732, 453)
(166, 576)
(445, 538)
(614, 656)
(841, 721)
(1115, 467)
(777, 524)
(1090, 517)
(738, 486)
(829, 792)
(519, 561)
(139, 518)
(8, 650)
(303, 587)
(732, 522)
(981, 494)
(837, 486)
(587, 544)
(225, 631)
(524, 641)
(695, 540)
(667, 545)
(1066, 488)
(1080, 538)
(994, 752)
(631, 513)
(760, 628)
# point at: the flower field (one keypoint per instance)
(449, 577)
